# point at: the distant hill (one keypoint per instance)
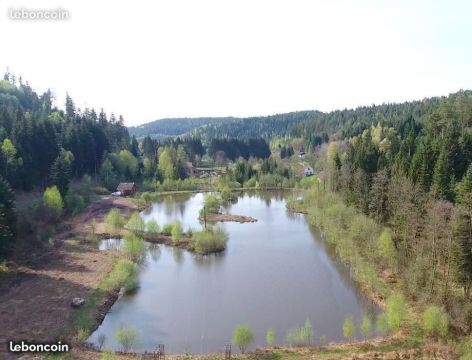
(208, 128)
(174, 126)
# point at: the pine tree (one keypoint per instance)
(61, 172)
(464, 188)
(70, 107)
(7, 218)
(442, 177)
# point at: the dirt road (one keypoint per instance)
(35, 303)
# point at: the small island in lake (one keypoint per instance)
(211, 211)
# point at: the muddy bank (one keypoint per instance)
(35, 303)
(228, 217)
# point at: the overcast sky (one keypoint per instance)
(153, 59)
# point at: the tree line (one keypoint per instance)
(414, 175)
(41, 144)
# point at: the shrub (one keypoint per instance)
(243, 337)
(382, 325)
(270, 337)
(52, 200)
(395, 310)
(133, 246)
(366, 327)
(127, 337)
(212, 204)
(209, 241)
(146, 197)
(152, 227)
(124, 274)
(74, 203)
(114, 220)
(251, 183)
(191, 183)
(386, 247)
(167, 229)
(136, 223)
(176, 232)
(227, 196)
(300, 336)
(435, 322)
(349, 329)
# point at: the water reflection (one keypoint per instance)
(274, 273)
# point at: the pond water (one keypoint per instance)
(275, 273)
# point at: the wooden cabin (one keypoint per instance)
(127, 189)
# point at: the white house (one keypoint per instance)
(309, 171)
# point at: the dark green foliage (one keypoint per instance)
(8, 218)
(61, 171)
(234, 149)
(39, 132)
(173, 127)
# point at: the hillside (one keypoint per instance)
(174, 126)
(208, 128)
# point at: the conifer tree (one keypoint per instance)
(7, 218)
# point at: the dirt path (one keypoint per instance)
(35, 303)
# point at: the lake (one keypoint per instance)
(275, 273)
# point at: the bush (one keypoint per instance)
(124, 274)
(382, 325)
(300, 336)
(146, 197)
(212, 204)
(152, 227)
(270, 337)
(209, 241)
(366, 327)
(167, 229)
(133, 246)
(176, 232)
(386, 247)
(251, 183)
(349, 329)
(395, 310)
(114, 220)
(74, 203)
(52, 200)
(227, 196)
(127, 337)
(188, 184)
(243, 337)
(435, 322)
(136, 223)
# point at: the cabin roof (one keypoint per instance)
(126, 186)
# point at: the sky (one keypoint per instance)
(186, 58)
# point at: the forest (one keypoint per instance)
(410, 172)
(392, 191)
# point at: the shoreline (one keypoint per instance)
(101, 308)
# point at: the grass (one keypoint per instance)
(124, 273)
